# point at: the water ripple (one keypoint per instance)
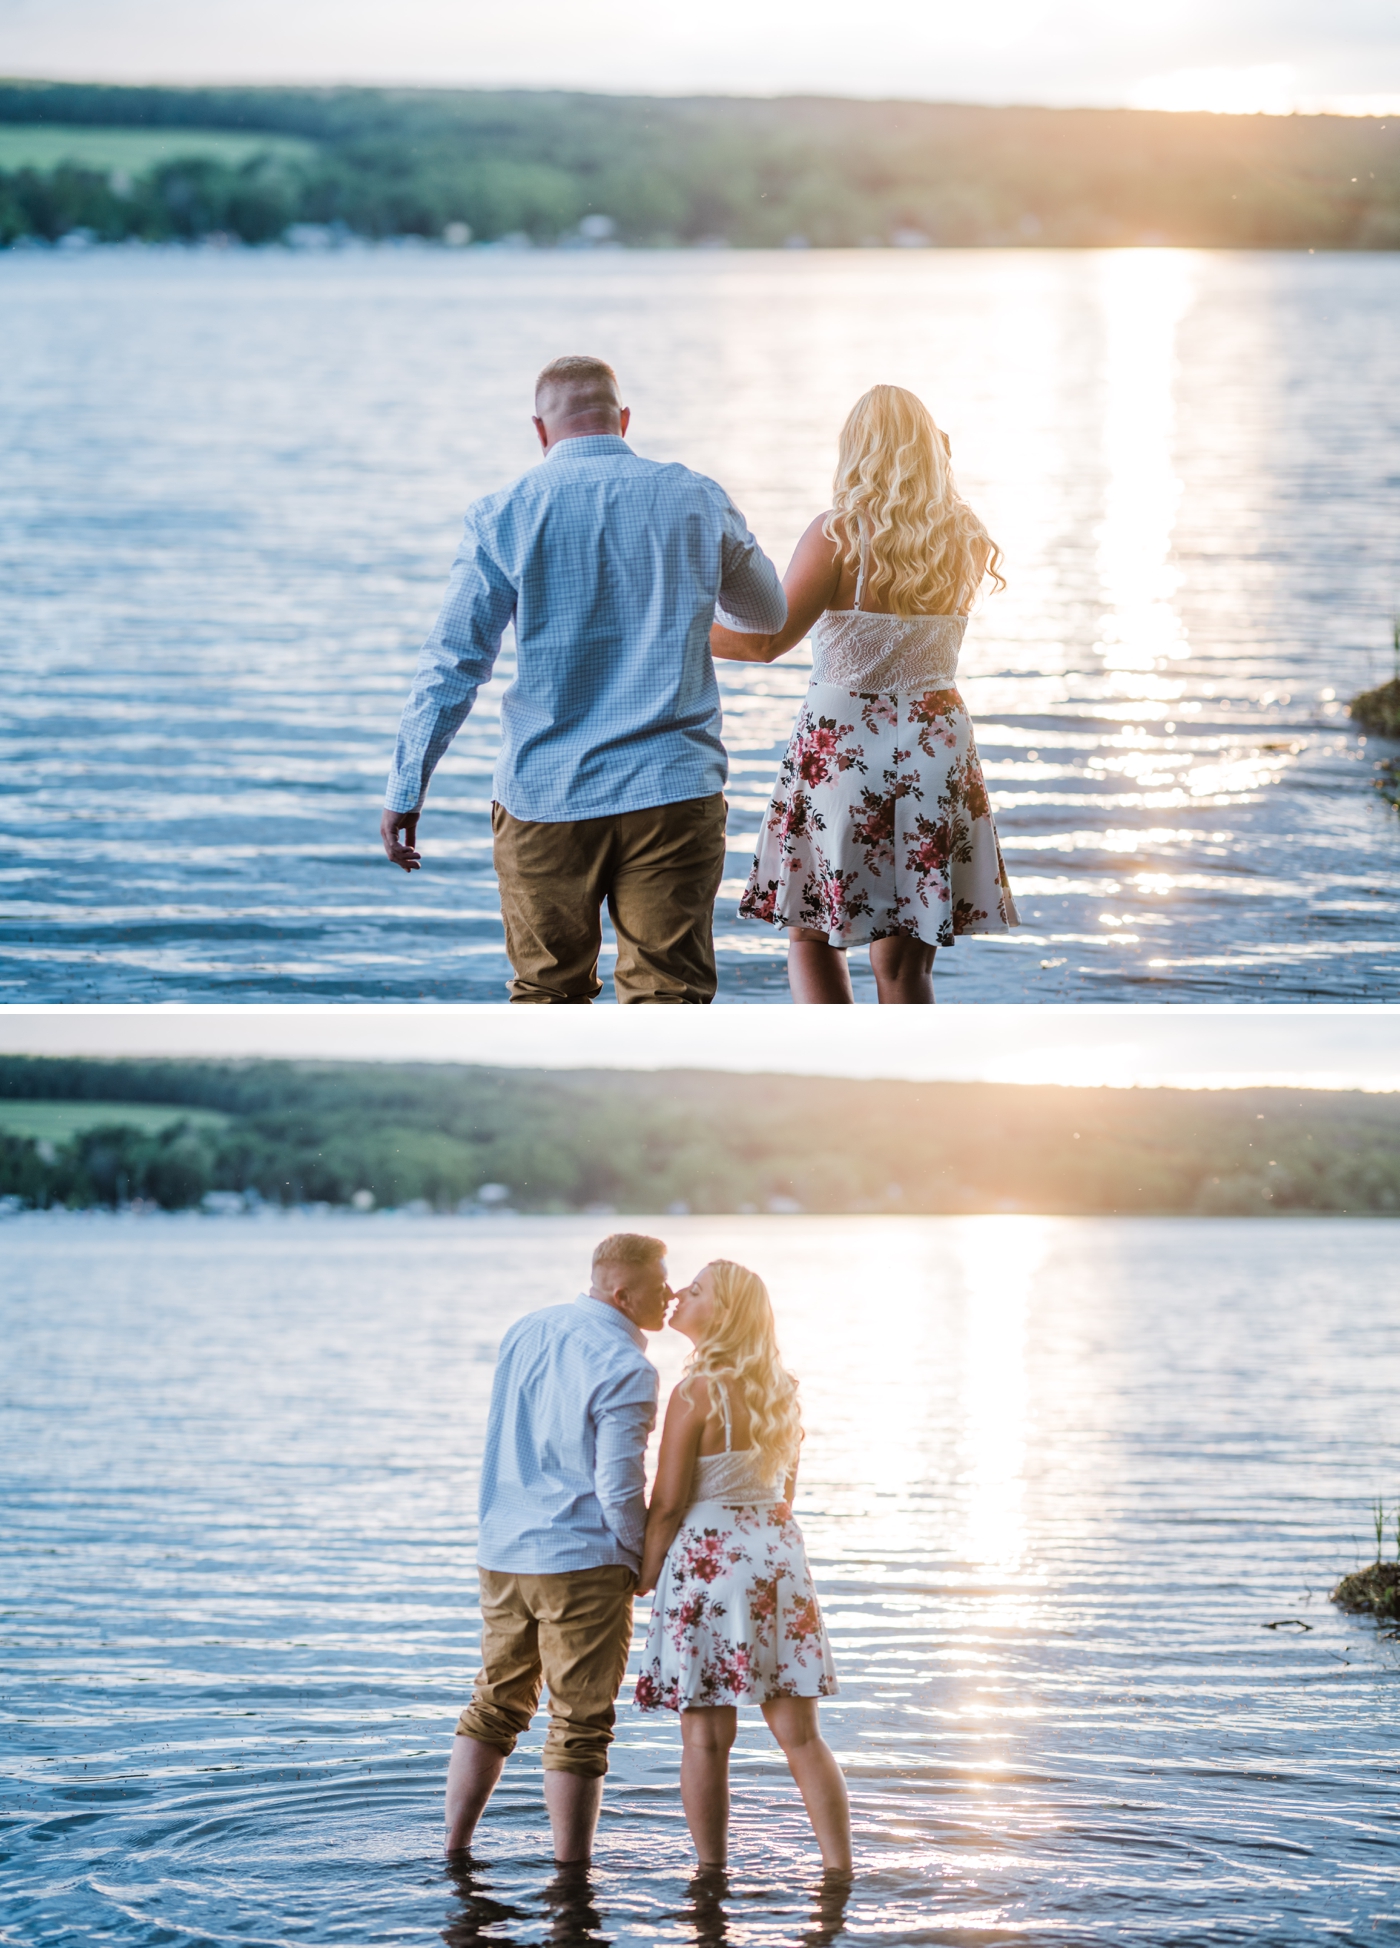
(234, 486)
(1059, 1477)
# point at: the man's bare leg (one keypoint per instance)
(574, 1804)
(472, 1773)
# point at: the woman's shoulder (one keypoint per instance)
(824, 534)
(691, 1397)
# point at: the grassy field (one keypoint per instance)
(25, 145)
(55, 1122)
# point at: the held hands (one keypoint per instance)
(405, 854)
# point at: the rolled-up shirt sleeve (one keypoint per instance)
(625, 1416)
(751, 597)
(457, 658)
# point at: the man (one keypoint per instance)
(609, 786)
(563, 1512)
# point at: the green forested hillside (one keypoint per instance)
(300, 1132)
(750, 172)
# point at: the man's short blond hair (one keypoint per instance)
(578, 384)
(629, 1248)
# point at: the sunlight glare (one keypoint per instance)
(1270, 88)
(1144, 294)
(1000, 1258)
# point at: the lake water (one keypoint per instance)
(233, 486)
(1060, 1476)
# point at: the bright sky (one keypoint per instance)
(1317, 1047)
(1239, 55)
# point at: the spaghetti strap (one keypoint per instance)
(722, 1393)
(860, 576)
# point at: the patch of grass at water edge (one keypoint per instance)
(1371, 1592)
(1379, 709)
(1374, 1591)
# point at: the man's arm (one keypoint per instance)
(751, 598)
(457, 658)
(811, 583)
(625, 1420)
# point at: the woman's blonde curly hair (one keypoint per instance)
(896, 506)
(740, 1353)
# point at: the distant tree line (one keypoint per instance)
(322, 1132)
(823, 171)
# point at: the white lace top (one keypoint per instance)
(860, 650)
(734, 1476)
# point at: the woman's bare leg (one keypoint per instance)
(816, 971)
(707, 1732)
(903, 970)
(793, 1722)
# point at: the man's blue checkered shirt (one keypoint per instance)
(563, 1478)
(611, 567)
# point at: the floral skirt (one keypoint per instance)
(735, 1618)
(880, 824)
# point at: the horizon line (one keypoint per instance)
(1314, 108)
(1236, 1083)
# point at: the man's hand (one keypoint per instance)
(403, 853)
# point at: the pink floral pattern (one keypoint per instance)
(881, 824)
(735, 1619)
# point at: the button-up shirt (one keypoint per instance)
(563, 1481)
(611, 568)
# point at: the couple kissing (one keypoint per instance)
(566, 1540)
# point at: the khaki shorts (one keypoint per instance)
(658, 871)
(574, 1630)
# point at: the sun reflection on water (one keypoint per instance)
(1144, 295)
(998, 1261)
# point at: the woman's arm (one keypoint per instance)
(813, 576)
(670, 1495)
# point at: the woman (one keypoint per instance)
(880, 828)
(735, 1618)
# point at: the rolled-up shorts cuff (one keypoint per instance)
(473, 1723)
(581, 1767)
(565, 1752)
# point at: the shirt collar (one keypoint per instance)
(589, 443)
(596, 1309)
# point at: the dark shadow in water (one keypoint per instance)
(704, 1908)
(574, 1917)
(567, 1902)
(828, 1911)
(709, 1889)
(478, 1910)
